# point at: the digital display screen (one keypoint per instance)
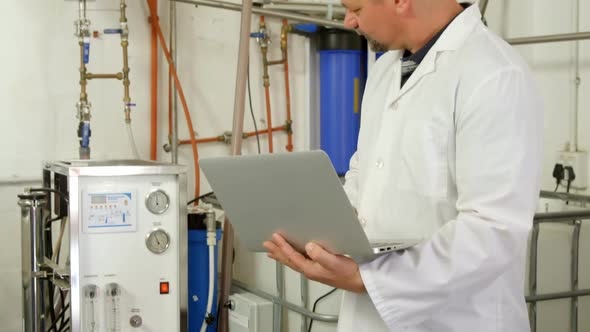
(98, 199)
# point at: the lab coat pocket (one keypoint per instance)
(424, 165)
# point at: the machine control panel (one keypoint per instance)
(109, 212)
(129, 251)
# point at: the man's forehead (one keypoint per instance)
(348, 3)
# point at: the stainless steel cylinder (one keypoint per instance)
(33, 207)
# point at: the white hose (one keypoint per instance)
(211, 243)
(132, 141)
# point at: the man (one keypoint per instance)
(450, 150)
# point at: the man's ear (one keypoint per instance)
(403, 7)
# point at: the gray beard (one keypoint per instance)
(375, 46)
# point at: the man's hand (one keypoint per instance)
(322, 266)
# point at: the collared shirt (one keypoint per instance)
(411, 61)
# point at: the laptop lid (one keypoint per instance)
(294, 194)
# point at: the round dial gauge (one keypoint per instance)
(157, 201)
(157, 241)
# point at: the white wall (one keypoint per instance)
(40, 88)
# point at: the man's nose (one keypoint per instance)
(350, 20)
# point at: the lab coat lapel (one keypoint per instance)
(452, 38)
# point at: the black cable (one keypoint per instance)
(252, 111)
(199, 198)
(557, 186)
(63, 301)
(316, 303)
(66, 326)
(53, 325)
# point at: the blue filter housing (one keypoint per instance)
(198, 273)
(343, 68)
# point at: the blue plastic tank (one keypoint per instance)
(343, 73)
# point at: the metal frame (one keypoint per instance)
(89, 168)
(575, 217)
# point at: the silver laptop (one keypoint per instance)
(297, 195)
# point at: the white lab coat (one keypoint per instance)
(455, 157)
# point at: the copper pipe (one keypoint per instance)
(187, 114)
(153, 4)
(83, 81)
(266, 83)
(90, 76)
(277, 62)
(222, 138)
(124, 46)
(284, 30)
(268, 118)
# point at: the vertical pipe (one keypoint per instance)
(154, 82)
(174, 103)
(533, 276)
(304, 287)
(240, 91)
(227, 250)
(277, 308)
(284, 34)
(32, 206)
(124, 46)
(575, 274)
(576, 94)
(266, 82)
(237, 131)
(83, 105)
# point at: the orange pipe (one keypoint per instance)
(289, 146)
(169, 104)
(153, 4)
(182, 100)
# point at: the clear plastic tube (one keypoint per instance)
(132, 141)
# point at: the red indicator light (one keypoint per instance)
(164, 287)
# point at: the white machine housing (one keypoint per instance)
(117, 283)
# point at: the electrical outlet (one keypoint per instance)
(579, 162)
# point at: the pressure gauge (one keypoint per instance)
(157, 241)
(157, 201)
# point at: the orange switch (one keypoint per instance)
(164, 287)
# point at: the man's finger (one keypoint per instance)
(298, 260)
(323, 257)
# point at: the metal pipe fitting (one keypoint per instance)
(91, 76)
(33, 207)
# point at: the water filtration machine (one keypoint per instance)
(127, 254)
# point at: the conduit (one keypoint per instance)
(156, 25)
